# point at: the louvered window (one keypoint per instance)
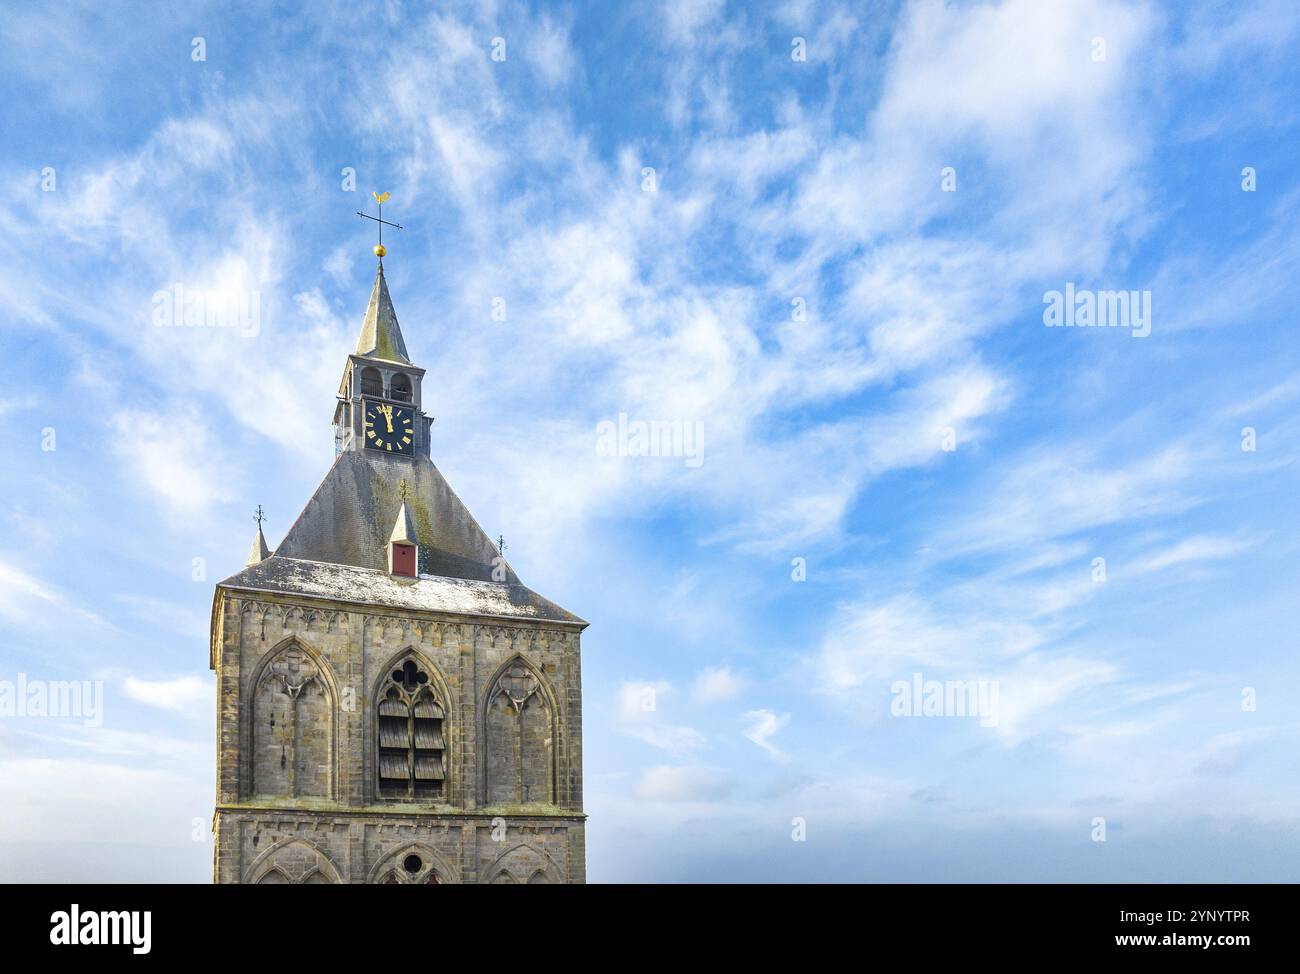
(411, 745)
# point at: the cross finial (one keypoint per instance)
(381, 199)
(404, 489)
(260, 517)
(501, 543)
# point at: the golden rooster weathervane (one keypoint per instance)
(381, 199)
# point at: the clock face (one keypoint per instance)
(390, 428)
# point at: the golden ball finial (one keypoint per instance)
(381, 250)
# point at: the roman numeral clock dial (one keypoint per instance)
(390, 428)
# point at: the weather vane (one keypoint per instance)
(260, 517)
(381, 199)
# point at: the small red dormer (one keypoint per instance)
(403, 551)
(401, 559)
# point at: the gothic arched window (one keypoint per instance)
(410, 727)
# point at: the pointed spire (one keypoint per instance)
(259, 551)
(403, 528)
(380, 335)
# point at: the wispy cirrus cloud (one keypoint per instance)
(28, 600)
(799, 281)
(763, 726)
(639, 716)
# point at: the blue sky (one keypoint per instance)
(779, 186)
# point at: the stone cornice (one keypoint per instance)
(368, 609)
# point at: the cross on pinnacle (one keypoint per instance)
(501, 543)
(260, 517)
(404, 489)
(381, 199)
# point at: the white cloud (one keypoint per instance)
(616, 305)
(611, 269)
(639, 716)
(763, 726)
(1228, 753)
(1061, 488)
(1007, 635)
(717, 683)
(1195, 549)
(1040, 686)
(683, 784)
(871, 644)
(173, 455)
(18, 590)
(186, 694)
(64, 801)
(550, 52)
(154, 612)
(27, 600)
(640, 701)
(13, 404)
(76, 737)
(667, 737)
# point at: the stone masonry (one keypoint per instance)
(376, 728)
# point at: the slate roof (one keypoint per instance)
(337, 549)
(349, 519)
(367, 586)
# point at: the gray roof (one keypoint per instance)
(380, 335)
(337, 549)
(367, 586)
(349, 519)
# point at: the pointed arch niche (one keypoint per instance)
(292, 862)
(519, 725)
(523, 864)
(292, 724)
(415, 864)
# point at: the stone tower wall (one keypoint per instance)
(297, 793)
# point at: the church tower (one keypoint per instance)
(394, 705)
